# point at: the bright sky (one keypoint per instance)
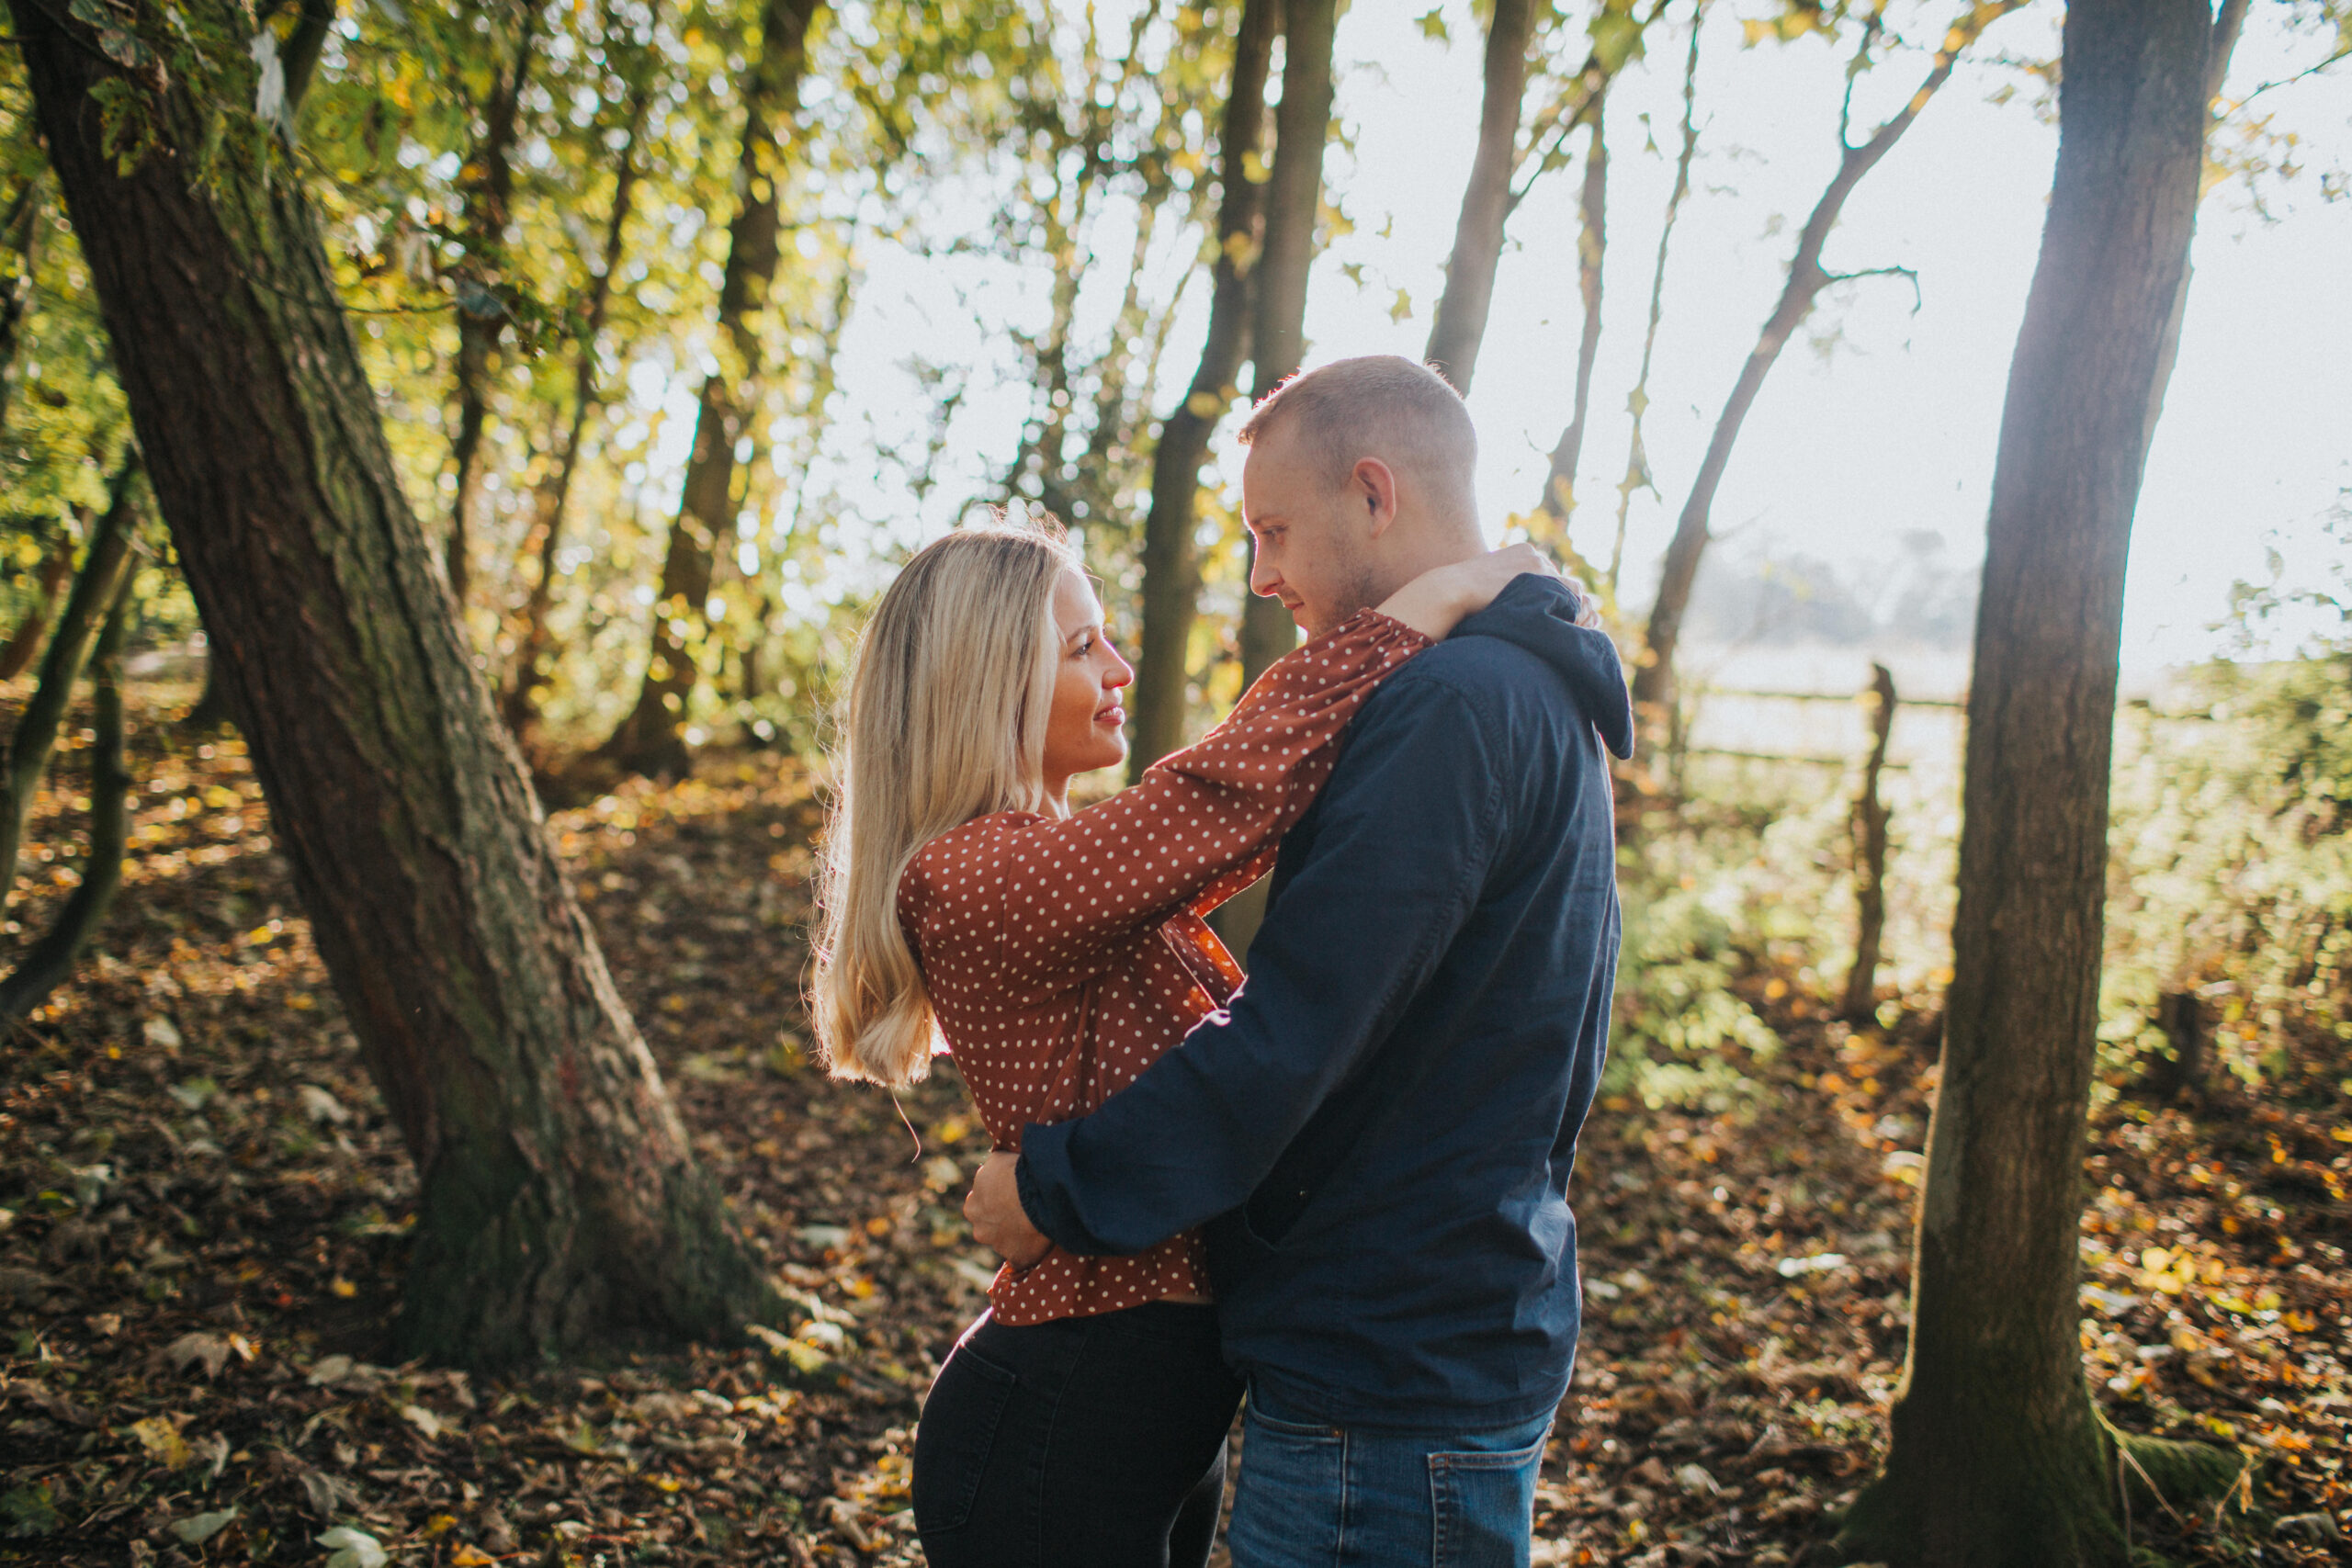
(1892, 431)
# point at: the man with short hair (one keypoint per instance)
(1379, 1128)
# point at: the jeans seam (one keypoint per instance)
(1347, 1497)
(1041, 1458)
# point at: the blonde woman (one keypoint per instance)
(1082, 1419)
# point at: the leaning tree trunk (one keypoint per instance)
(1293, 199)
(1462, 310)
(51, 959)
(519, 703)
(559, 1197)
(1637, 402)
(16, 653)
(1654, 675)
(30, 745)
(652, 738)
(19, 260)
(488, 183)
(1171, 568)
(1998, 1456)
(1559, 499)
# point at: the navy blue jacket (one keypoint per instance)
(1381, 1124)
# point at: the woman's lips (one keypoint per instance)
(1114, 714)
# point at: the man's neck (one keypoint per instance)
(1429, 549)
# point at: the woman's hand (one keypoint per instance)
(998, 1220)
(1435, 602)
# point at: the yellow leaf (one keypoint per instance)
(440, 1523)
(162, 1442)
(471, 1556)
(343, 1287)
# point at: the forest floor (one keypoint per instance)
(203, 1217)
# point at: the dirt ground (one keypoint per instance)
(203, 1217)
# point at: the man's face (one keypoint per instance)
(1308, 536)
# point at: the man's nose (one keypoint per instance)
(1263, 578)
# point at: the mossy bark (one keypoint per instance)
(559, 1199)
(1999, 1458)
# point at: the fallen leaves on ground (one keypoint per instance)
(204, 1216)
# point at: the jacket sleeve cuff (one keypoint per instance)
(1042, 1178)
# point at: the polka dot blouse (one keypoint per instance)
(1067, 955)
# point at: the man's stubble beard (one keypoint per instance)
(1360, 589)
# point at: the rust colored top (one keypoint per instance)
(1067, 955)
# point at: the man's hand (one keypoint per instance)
(998, 1220)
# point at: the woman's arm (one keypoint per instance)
(1039, 904)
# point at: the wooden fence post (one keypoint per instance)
(1869, 823)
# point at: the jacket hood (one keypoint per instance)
(1539, 614)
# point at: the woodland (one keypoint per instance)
(421, 627)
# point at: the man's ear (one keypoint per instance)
(1371, 487)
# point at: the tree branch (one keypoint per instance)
(2338, 58)
(300, 56)
(1902, 272)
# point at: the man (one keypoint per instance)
(1382, 1123)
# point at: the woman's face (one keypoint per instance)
(1088, 727)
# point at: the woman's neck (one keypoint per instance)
(1057, 796)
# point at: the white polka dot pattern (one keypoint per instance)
(1066, 955)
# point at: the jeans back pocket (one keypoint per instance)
(1484, 1505)
(954, 1436)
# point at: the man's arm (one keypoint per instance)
(1407, 834)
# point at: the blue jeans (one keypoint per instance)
(1317, 1496)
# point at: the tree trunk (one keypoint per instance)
(2182, 1018)
(1171, 568)
(519, 706)
(1654, 676)
(1869, 816)
(488, 182)
(559, 1197)
(1559, 499)
(20, 242)
(47, 962)
(34, 740)
(17, 656)
(1637, 403)
(1998, 1456)
(1462, 310)
(1293, 200)
(652, 738)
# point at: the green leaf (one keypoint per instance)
(125, 49)
(1433, 26)
(204, 1527)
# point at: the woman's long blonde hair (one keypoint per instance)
(946, 722)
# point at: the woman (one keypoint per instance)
(1082, 1420)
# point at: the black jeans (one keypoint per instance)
(1087, 1442)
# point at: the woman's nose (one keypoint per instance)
(1120, 673)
